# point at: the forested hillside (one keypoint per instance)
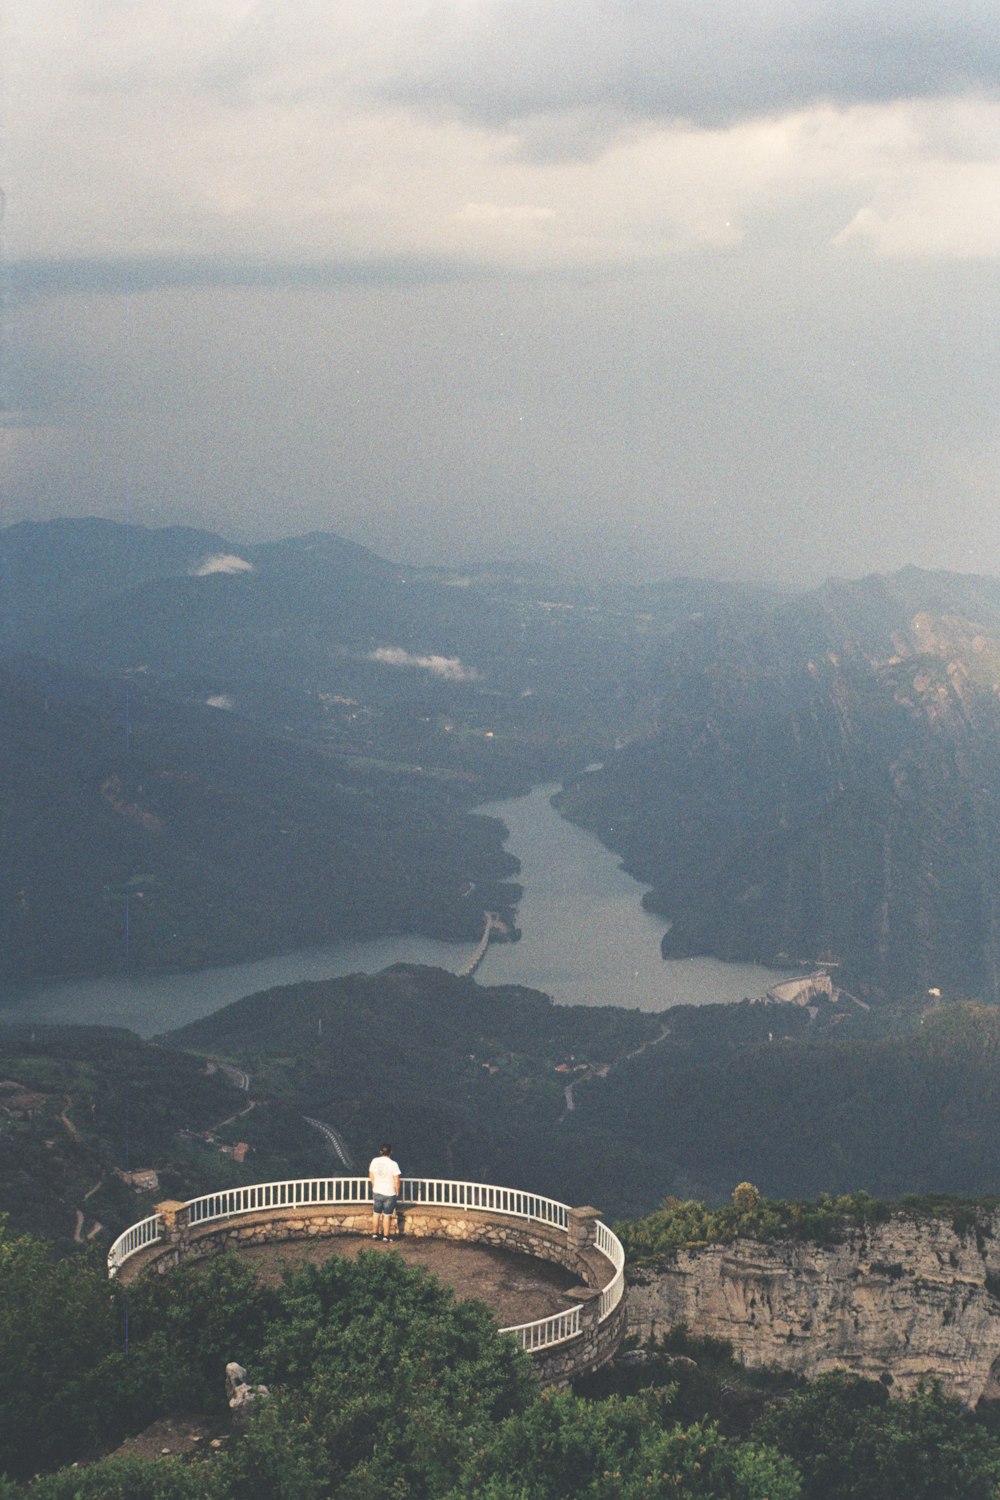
(143, 834)
(467, 1081)
(915, 1112)
(473, 1083)
(81, 1107)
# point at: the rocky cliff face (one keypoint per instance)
(909, 1299)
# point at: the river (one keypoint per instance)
(586, 941)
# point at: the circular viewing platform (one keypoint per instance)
(518, 1252)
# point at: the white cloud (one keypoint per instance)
(449, 667)
(942, 211)
(222, 562)
(520, 135)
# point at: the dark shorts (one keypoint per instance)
(384, 1203)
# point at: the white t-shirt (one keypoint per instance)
(383, 1172)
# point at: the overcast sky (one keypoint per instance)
(649, 286)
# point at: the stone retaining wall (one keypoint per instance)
(595, 1345)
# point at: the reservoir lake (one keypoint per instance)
(586, 940)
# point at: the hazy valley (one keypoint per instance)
(213, 751)
(261, 747)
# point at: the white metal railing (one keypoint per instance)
(544, 1332)
(146, 1232)
(610, 1245)
(473, 1197)
(233, 1202)
(485, 1198)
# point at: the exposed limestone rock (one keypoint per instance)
(239, 1394)
(911, 1298)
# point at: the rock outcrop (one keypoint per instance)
(241, 1396)
(910, 1299)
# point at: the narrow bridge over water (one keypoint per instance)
(492, 922)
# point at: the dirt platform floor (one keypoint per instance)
(517, 1288)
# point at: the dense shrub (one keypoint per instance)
(382, 1385)
(625, 1449)
(58, 1321)
(852, 1441)
(678, 1225)
(119, 1479)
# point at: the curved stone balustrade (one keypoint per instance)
(568, 1343)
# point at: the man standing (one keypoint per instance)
(384, 1176)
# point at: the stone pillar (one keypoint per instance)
(174, 1217)
(582, 1226)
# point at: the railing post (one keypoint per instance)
(175, 1218)
(581, 1225)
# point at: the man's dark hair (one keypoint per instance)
(385, 1149)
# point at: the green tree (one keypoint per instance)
(58, 1318)
(852, 1441)
(391, 1381)
(378, 1321)
(620, 1450)
(85, 1360)
(183, 1330)
(746, 1198)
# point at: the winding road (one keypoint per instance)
(240, 1079)
(604, 1070)
(335, 1138)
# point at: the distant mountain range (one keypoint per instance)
(53, 571)
(313, 610)
(810, 778)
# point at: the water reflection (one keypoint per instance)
(587, 939)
